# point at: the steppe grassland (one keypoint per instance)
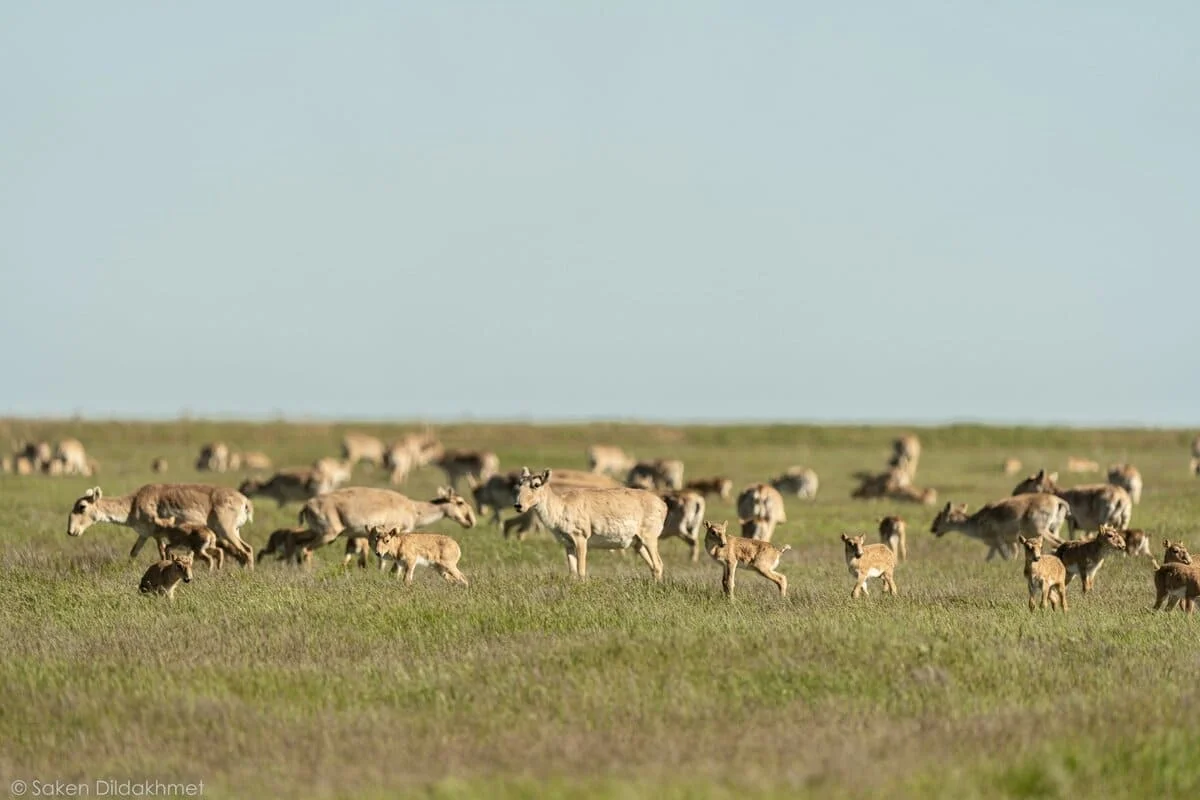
(345, 683)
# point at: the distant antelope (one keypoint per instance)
(1091, 506)
(1012, 466)
(730, 551)
(875, 485)
(607, 519)
(162, 577)
(413, 451)
(893, 532)
(760, 509)
(223, 510)
(475, 466)
(294, 485)
(611, 460)
(866, 561)
(1081, 465)
(720, 486)
(72, 456)
(358, 447)
(497, 492)
(911, 494)
(1128, 478)
(685, 515)
(330, 474)
(290, 544)
(1137, 542)
(999, 524)
(656, 475)
(38, 454)
(1046, 576)
(799, 481)
(906, 452)
(1084, 558)
(158, 466)
(215, 457)
(255, 460)
(411, 550)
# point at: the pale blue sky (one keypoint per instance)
(785, 211)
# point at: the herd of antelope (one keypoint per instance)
(620, 504)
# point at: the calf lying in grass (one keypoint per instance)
(867, 561)
(165, 575)
(729, 551)
(411, 550)
(1046, 576)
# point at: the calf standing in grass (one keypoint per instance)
(165, 575)
(1084, 558)
(1177, 582)
(729, 551)
(892, 532)
(866, 561)
(1046, 576)
(412, 550)
(200, 539)
(1174, 553)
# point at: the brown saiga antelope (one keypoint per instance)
(1045, 575)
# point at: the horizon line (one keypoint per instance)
(551, 421)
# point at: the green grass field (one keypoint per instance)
(329, 683)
